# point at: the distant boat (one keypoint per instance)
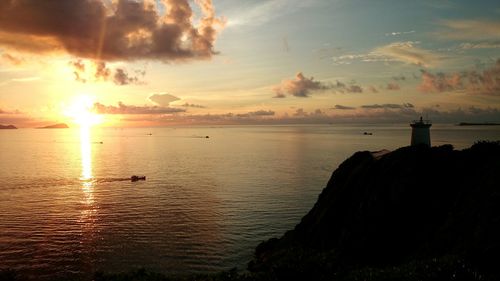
(137, 178)
(367, 134)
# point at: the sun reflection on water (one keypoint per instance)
(86, 175)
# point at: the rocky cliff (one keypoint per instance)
(426, 213)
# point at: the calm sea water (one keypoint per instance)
(66, 210)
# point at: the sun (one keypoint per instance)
(80, 111)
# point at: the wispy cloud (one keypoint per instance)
(475, 30)
(397, 33)
(405, 52)
(260, 12)
(481, 45)
(408, 52)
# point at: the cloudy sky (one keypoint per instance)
(162, 62)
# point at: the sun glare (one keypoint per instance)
(80, 111)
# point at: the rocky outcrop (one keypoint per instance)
(416, 207)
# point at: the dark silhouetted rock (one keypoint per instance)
(416, 210)
(55, 126)
(7, 127)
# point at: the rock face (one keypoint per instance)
(413, 204)
(2, 127)
(55, 126)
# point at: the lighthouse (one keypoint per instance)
(420, 132)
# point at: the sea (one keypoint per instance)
(212, 193)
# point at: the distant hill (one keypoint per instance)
(6, 127)
(55, 126)
(417, 213)
(478, 124)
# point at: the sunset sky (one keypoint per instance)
(164, 62)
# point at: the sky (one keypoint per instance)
(180, 62)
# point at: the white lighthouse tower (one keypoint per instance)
(420, 132)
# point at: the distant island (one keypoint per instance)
(478, 124)
(7, 127)
(55, 126)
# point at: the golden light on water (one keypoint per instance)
(86, 153)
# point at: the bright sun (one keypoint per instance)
(80, 110)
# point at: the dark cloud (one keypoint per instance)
(300, 86)
(133, 109)
(99, 71)
(346, 88)
(121, 77)
(256, 113)
(163, 99)
(166, 30)
(485, 82)
(303, 87)
(102, 72)
(393, 86)
(388, 106)
(193, 105)
(343, 107)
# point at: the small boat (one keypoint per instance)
(137, 178)
(367, 134)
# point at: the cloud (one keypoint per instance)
(481, 45)
(397, 33)
(373, 89)
(343, 107)
(475, 30)
(393, 86)
(163, 99)
(399, 78)
(121, 77)
(260, 12)
(300, 86)
(193, 105)
(485, 82)
(133, 109)
(166, 30)
(257, 113)
(407, 52)
(388, 106)
(11, 59)
(99, 71)
(382, 114)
